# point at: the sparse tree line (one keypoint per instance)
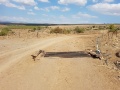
(67, 31)
(111, 28)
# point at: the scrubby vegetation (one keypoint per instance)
(79, 30)
(112, 27)
(53, 29)
(39, 28)
(4, 31)
(24, 27)
(56, 30)
(67, 31)
(60, 31)
(88, 28)
(102, 27)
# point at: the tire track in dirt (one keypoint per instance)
(12, 57)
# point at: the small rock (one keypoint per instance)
(117, 63)
(118, 77)
(118, 54)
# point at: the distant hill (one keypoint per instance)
(46, 24)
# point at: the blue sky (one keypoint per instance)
(60, 11)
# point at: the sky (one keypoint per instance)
(60, 11)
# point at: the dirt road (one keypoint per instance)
(20, 72)
(10, 57)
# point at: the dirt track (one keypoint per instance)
(12, 56)
(20, 72)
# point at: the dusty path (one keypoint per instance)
(9, 58)
(56, 73)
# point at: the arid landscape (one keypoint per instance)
(66, 63)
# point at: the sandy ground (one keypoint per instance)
(18, 71)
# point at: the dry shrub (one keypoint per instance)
(60, 31)
(79, 30)
(4, 31)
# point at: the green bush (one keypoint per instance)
(59, 30)
(89, 28)
(56, 30)
(38, 28)
(22, 26)
(65, 31)
(46, 26)
(4, 31)
(34, 29)
(79, 30)
(102, 27)
(112, 27)
(117, 28)
(93, 26)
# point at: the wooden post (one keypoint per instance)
(98, 44)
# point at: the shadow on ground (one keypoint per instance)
(75, 54)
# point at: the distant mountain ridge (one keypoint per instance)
(47, 24)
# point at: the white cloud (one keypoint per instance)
(54, 7)
(44, 0)
(36, 8)
(15, 19)
(103, 1)
(60, 19)
(4, 1)
(95, 1)
(83, 15)
(31, 13)
(26, 2)
(45, 15)
(23, 2)
(20, 7)
(47, 9)
(77, 2)
(106, 8)
(65, 9)
(108, 1)
(7, 3)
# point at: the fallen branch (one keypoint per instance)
(40, 52)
